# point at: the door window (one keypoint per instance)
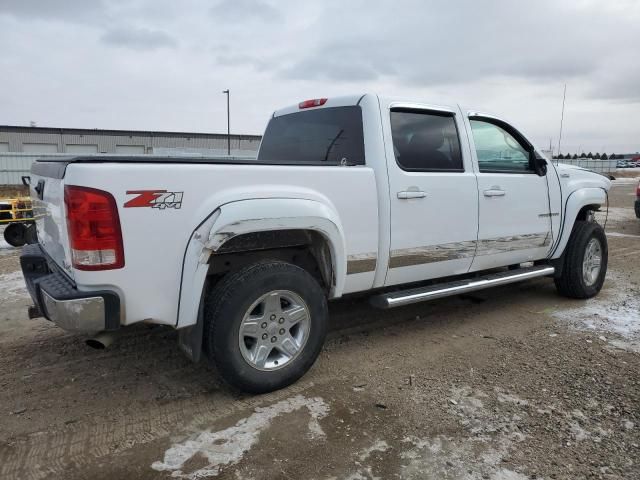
(498, 150)
(426, 141)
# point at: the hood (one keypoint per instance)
(574, 177)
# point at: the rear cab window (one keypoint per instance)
(324, 136)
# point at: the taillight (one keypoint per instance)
(316, 102)
(638, 190)
(94, 229)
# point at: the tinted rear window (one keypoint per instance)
(331, 136)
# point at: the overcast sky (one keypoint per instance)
(162, 64)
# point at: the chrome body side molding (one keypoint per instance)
(361, 263)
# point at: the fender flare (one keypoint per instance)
(576, 201)
(256, 215)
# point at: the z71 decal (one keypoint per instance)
(155, 199)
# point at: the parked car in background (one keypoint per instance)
(406, 200)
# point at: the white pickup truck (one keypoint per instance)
(406, 200)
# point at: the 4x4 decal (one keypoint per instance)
(155, 199)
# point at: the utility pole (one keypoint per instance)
(564, 96)
(228, 124)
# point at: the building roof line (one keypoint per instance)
(124, 133)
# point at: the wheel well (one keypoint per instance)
(583, 214)
(307, 249)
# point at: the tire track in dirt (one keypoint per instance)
(43, 454)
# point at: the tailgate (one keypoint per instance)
(47, 194)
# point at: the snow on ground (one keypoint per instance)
(491, 439)
(622, 235)
(615, 214)
(12, 286)
(616, 310)
(4, 246)
(625, 180)
(227, 447)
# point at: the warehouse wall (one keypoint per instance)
(52, 140)
(21, 146)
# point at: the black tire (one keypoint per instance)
(14, 234)
(571, 282)
(31, 234)
(226, 306)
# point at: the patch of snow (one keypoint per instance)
(492, 437)
(12, 286)
(578, 433)
(625, 181)
(578, 414)
(4, 246)
(615, 214)
(365, 472)
(228, 446)
(624, 235)
(378, 446)
(616, 310)
(506, 397)
(505, 474)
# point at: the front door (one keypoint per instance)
(514, 221)
(433, 194)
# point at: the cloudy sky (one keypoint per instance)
(162, 64)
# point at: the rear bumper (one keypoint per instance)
(58, 299)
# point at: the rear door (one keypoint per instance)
(433, 193)
(514, 221)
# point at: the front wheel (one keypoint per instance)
(585, 262)
(265, 325)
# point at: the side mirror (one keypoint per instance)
(538, 163)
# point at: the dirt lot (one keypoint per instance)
(506, 384)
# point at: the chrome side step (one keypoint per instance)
(422, 294)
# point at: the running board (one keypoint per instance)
(422, 294)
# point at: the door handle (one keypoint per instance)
(406, 194)
(494, 192)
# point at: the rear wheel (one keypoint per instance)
(265, 325)
(585, 262)
(14, 234)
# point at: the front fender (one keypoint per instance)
(577, 200)
(257, 215)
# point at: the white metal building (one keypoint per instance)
(20, 146)
(85, 141)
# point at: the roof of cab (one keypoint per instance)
(387, 102)
(343, 101)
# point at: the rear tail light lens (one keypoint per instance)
(316, 102)
(638, 190)
(94, 229)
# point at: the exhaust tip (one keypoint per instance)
(101, 340)
(94, 343)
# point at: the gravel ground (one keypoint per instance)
(506, 384)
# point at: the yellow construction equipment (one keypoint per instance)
(17, 214)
